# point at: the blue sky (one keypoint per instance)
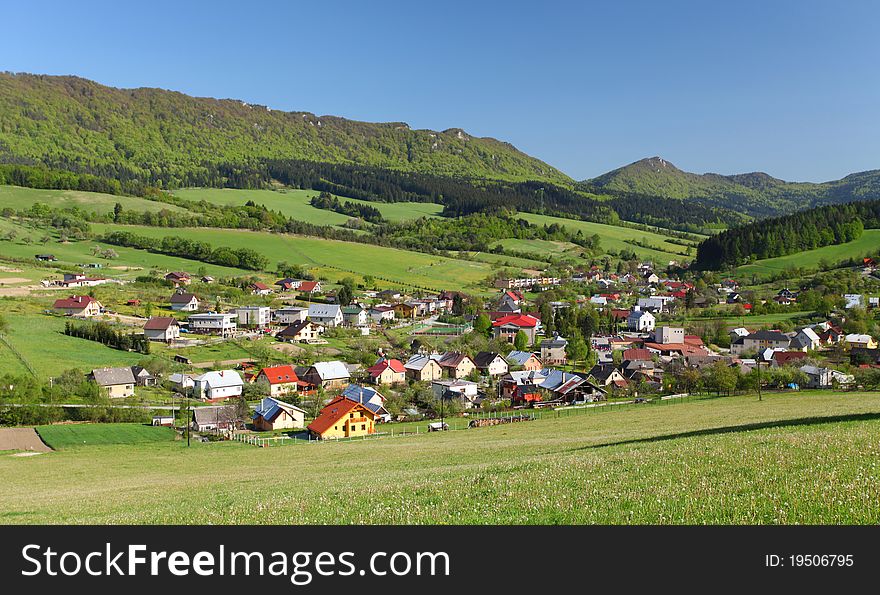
(790, 88)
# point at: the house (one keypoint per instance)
(861, 341)
(368, 397)
(652, 304)
(668, 334)
(455, 364)
(118, 383)
(390, 295)
(387, 371)
(213, 323)
(405, 310)
(300, 332)
(784, 358)
(738, 332)
(282, 380)
(207, 279)
(328, 315)
(491, 363)
(640, 321)
(760, 340)
(290, 315)
(343, 418)
(272, 414)
(310, 287)
(599, 300)
(354, 315)
(651, 277)
(637, 355)
(465, 391)
(183, 382)
(221, 417)
(423, 368)
(805, 339)
(825, 377)
(329, 375)
(507, 327)
(162, 420)
(525, 360)
(83, 306)
(287, 283)
(606, 375)
(184, 302)
(80, 280)
(143, 377)
(213, 386)
(178, 278)
(258, 288)
(548, 384)
(831, 335)
(510, 302)
(254, 316)
(553, 351)
(380, 314)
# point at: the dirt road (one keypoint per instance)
(22, 439)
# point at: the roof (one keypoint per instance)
(183, 298)
(269, 408)
(366, 396)
(324, 310)
(353, 309)
(113, 376)
(636, 354)
(177, 275)
(160, 323)
(279, 374)
(519, 358)
(520, 320)
(382, 365)
(768, 336)
(294, 329)
(309, 285)
(219, 379)
(417, 362)
(484, 358)
(331, 370)
(212, 415)
(75, 302)
(856, 338)
(332, 413)
(451, 359)
(259, 286)
(783, 357)
(554, 343)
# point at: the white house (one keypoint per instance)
(380, 313)
(257, 316)
(641, 321)
(464, 390)
(214, 323)
(668, 334)
(806, 339)
(222, 384)
(328, 315)
(162, 328)
(854, 300)
(184, 302)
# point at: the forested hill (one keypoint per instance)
(162, 136)
(755, 194)
(805, 230)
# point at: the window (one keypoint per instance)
(363, 426)
(351, 415)
(335, 427)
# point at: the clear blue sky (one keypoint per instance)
(790, 88)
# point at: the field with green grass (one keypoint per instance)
(69, 436)
(866, 244)
(20, 198)
(406, 268)
(613, 237)
(294, 203)
(791, 458)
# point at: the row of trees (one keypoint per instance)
(244, 258)
(102, 332)
(779, 236)
(328, 202)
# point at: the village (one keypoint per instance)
(531, 343)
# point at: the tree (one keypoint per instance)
(344, 295)
(482, 324)
(576, 350)
(117, 212)
(521, 341)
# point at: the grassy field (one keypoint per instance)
(67, 436)
(295, 203)
(792, 458)
(406, 268)
(613, 237)
(810, 259)
(20, 198)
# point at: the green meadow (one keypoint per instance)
(789, 459)
(294, 203)
(67, 436)
(613, 237)
(867, 243)
(20, 198)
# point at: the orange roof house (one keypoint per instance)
(281, 379)
(343, 418)
(387, 371)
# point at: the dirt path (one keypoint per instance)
(25, 439)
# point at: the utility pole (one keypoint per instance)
(759, 376)
(188, 422)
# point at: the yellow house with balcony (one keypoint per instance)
(343, 418)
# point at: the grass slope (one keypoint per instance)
(67, 436)
(793, 458)
(20, 198)
(866, 244)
